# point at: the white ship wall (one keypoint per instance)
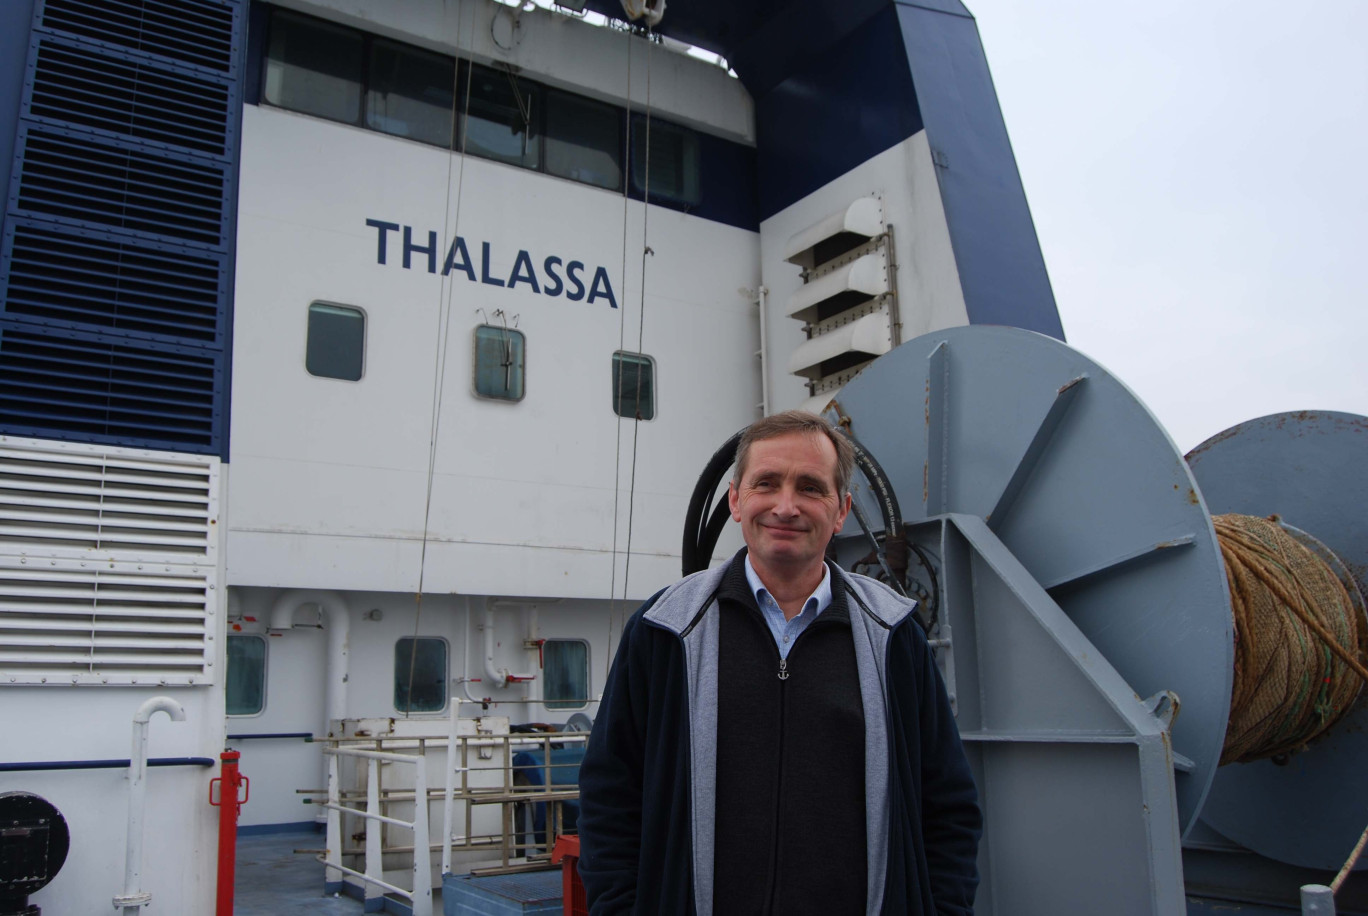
(531, 501)
(296, 663)
(929, 293)
(180, 827)
(330, 476)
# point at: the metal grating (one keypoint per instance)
(128, 97)
(108, 565)
(94, 182)
(122, 285)
(77, 386)
(116, 259)
(198, 32)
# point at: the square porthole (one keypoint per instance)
(634, 386)
(500, 362)
(246, 689)
(420, 674)
(565, 674)
(336, 345)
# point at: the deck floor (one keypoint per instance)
(272, 881)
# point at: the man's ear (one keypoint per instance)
(733, 501)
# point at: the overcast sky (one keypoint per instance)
(1198, 175)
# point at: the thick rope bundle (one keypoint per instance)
(1299, 642)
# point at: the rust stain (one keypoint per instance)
(1067, 385)
(1192, 497)
(1214, 440)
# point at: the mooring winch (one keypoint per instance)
(1067, 554)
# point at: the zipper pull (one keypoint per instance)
(783, 669)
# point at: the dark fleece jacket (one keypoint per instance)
(646, 824)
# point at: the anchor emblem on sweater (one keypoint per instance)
(783, 669)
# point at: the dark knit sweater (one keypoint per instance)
(790, 763)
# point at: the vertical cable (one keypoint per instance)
(451, 223)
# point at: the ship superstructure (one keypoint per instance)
(357, 359)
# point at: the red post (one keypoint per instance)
(228, 805)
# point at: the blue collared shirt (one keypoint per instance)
(786, 632)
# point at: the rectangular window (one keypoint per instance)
(565, 674)
(420, 674)
(634, 386)
(674, 161)
(410, 92)
(583, 140)
(502, 121)
(336, 345)
(314, 67)
(499, 362)
(246, 675)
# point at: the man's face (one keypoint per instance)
(787, 503)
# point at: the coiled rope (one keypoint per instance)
(1300, 640)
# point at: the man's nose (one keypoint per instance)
(787, 503)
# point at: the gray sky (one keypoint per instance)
(1198, 175)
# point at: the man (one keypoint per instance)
(774, 736)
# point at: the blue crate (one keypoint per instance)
(523, 894)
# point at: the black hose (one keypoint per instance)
(695, 527)
(883, 490)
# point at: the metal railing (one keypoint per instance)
(421, 895)
(479, 771)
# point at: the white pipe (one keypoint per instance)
(132, 898)
(763, 353)
(532, 689)
(374, 866)
(332, 875)
(422, 849)
(449, 790)
(337, 622)
(499, 676)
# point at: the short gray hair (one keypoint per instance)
(798, 421)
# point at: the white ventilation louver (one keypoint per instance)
(848, 302)
(847, 228)
(843, 288)
(108, 565)
(859, 341)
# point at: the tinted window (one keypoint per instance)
(410, 92)
(674, 160)
(634, 386)
(420, 674)
(565, 673)
(583, 140)
(499, 362)
(337, 341)
(314, 67)
(246, 675)
(502, 123)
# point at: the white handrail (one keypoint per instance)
(421, 895)
(133, 898)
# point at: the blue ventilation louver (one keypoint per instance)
(117, 251)
(200, 33)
